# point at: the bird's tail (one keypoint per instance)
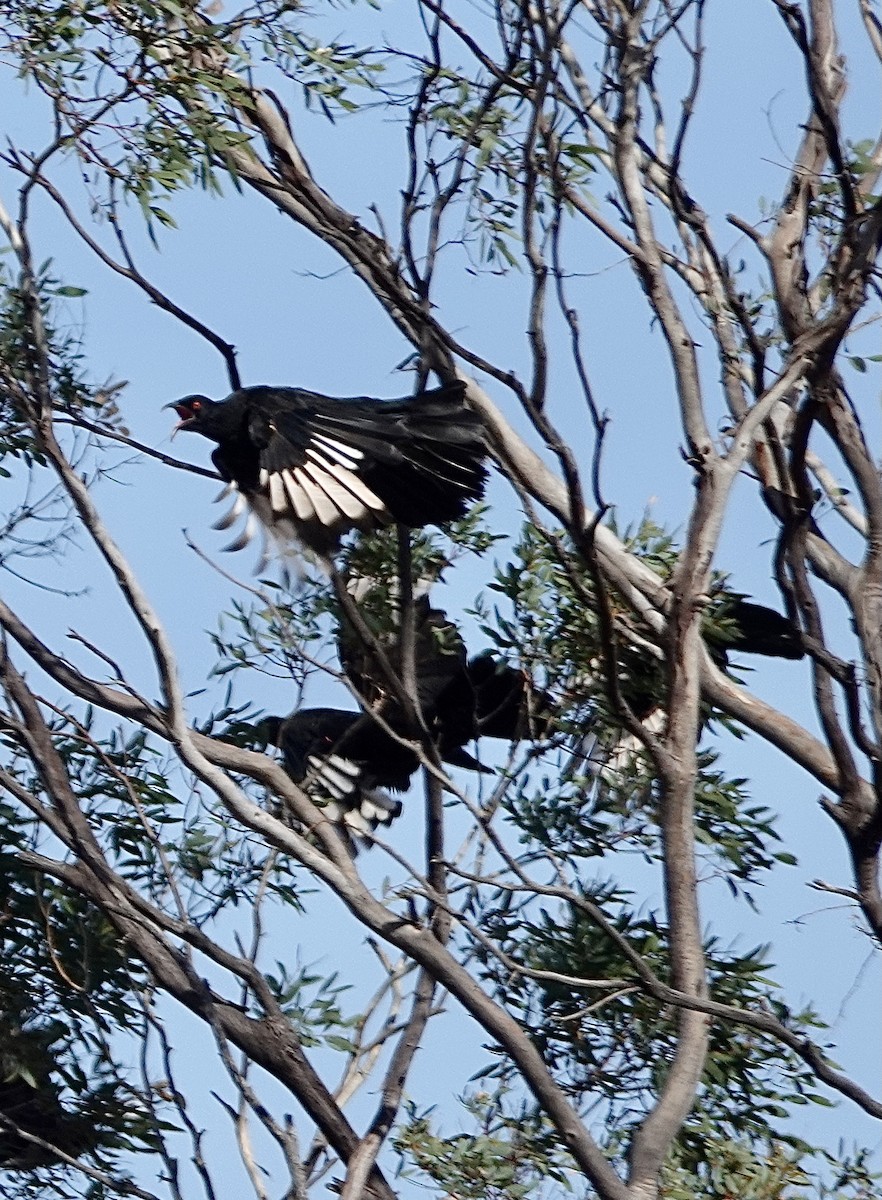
(375, 807)
(505, 704)
(423, 456)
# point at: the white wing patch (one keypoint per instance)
(380, 809)
(327, 512)
(334, 780)
(346, 456)
(345, 501)
(323, 491)
(276, 488)
(337, 776)
(320, 490)
(299, 501)
(238, 507)
(376, 808)
(349, 480)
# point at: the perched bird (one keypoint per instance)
(461, 699)
(739, 624)
(30, 1103)
(344, 761)
(504, 705)
(312, 467)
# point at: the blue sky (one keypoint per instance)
(295, 318)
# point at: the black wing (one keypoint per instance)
(325, 466)
(439, 660)
(344, 760)
(506, 705)
(460, 699)
(751, 629)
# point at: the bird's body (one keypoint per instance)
(344, 761)
(313, 467)
(505, 706)
(31, 1106)
(347, 762)
(461, 699)
(752, 629)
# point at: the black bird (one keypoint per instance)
(313, 467)
(505, 707)
(750, 628)
(461, 699)
(344, 761)
(30, 1103)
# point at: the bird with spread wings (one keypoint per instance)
(309, 467)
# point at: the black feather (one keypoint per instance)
(739, 624)
(460, 699)
(345, 761)
(320, 466)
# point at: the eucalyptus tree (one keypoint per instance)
(160, 865)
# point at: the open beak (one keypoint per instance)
(184, 413)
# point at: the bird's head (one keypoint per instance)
(194, 412)
(266, 731)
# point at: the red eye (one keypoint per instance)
(195, 406)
